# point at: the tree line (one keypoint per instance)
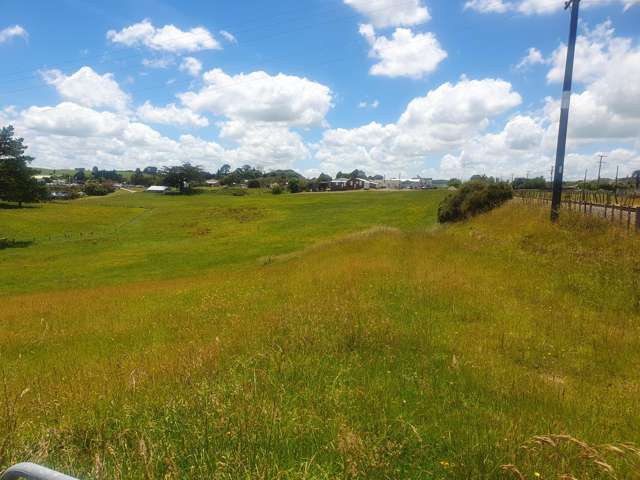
(17, 182)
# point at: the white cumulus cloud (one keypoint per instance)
(487, 6)
(168, 38)
(445, 118)
(70, 119)
(532, 58)
(260, 97)
(13, 32)
(192, 66)
(391, 13)
(228, 36)
(171, 115)
(88, 88)
(265, 144)
(605, 112)
(537, 7)
(405, 54)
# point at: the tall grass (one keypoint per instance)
(396, 353)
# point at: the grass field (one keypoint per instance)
(317, 336)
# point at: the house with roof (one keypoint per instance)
(353, 184)
(157, 189)
(339, 184)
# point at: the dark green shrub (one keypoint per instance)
(294, 185)
(472, 198)
(276, 189)
(253, 183)
(96, 189)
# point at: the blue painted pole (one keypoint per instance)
(556, 199)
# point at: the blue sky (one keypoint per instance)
(429, 87)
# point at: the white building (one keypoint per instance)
(157, 189)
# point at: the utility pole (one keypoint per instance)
(551, 176)
(556, 199)
(602, 157)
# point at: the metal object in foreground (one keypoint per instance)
(31, 471)
(564, 111)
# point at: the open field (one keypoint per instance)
(126, 237)
(315, 336)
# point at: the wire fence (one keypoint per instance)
(620, 208)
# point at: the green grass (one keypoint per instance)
(323, 347)
(125, 237)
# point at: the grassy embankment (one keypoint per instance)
(400, 352)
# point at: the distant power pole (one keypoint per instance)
(556, 199)
(602, 157)
(551, 175)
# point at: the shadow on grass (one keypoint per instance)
(12, 206)
(6, 243)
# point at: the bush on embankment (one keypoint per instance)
(472, 198)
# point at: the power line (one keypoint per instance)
(279, 33)
(187, 82)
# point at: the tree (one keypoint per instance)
(636, 177)
(112, 175)
(223, 171)
(482, 178)
(295, 186)
(454, 182)
(16, 177)
(97, 189)
(150, 170)
(358, 174)
(324, 178)
(537, 183)
(95, 172)
(79, 176)
(183, 176)
(137, 178)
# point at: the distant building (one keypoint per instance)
(408, 183)
(353, 184)
(157, 189)
(339, 184)
(42, 178)
(362, 184)
(212, 183)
